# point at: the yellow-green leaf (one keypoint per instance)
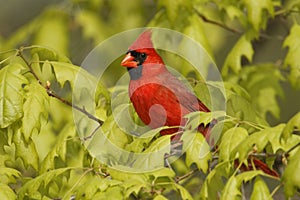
(232, 188)
(6, 192)
(260, 190)
(230, 140)
(294, 123)
(291, 176)
(256, 12)
(35, 109)
(243, 47)
(197, 150)
(292, 57)
(11, 94)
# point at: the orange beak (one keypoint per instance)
(129, 61)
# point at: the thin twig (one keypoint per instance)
(82, 110)
(180, 178)
(275, 190)
(264, 155)
(29, 66)
(205, 19)
(92, 134)
(51, 93)
(233, 30)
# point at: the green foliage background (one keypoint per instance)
(256, 45)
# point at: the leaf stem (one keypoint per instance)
(275, 190)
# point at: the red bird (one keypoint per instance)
(159, 98)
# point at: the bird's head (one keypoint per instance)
(141, 52)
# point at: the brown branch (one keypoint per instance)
(180, 178)
(51, 93)
(28, 65)
(205, 19)
(233, 30)
(267, 155)
(92, 134)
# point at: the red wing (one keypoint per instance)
(185, 97)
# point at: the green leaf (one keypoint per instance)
(163, 172)
(133, 186)
(80, 81)
(184, 192)
(44, 53)
(256, 12)
(263, 84)
(24, 150)
(32, 187)
(59, 150)
(260, 190)
(275, 138)
(160, 197)
(199, 117)
(95, 185)
(215, 181)
(140, 143)
(114, 134)
(11, 94)
(291, 60)
(8, 175)
(111, 193)
(242, 47)
(232, 187)
(197, 150)
(172, 8)
(260, 139)
(293, 123)
(231, 190)
(234, 12)
(6, 192)
(196, 31)
(291, 176)
(231, 139)
(240, 108)
(154, 156)
(233, 88)
(35, 109)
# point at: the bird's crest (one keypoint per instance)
(143, 41)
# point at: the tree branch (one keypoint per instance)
(51, 93)
(180, 178)
(233, 30)
(205, 19)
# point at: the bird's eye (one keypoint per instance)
(143, 55)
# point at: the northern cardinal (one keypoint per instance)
(159, 97)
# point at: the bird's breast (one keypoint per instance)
(156, 104)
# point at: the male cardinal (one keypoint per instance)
(160, 98)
